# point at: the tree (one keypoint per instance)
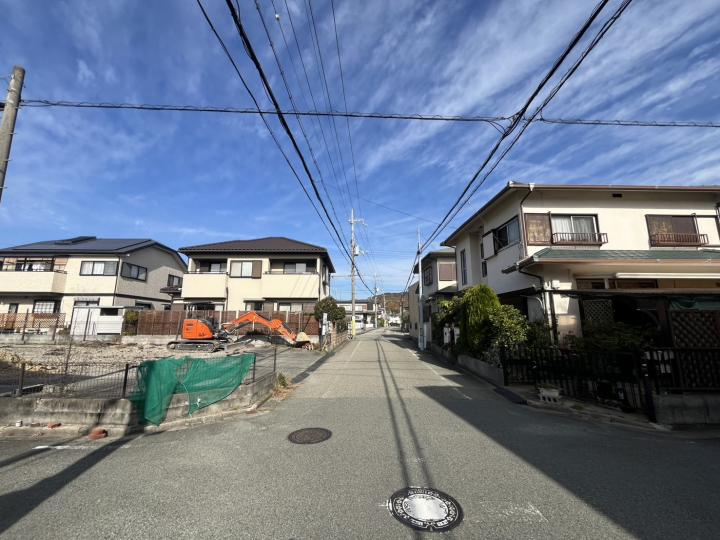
(335, 313)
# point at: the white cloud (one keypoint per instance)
(84, 74)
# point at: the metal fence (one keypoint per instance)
(166, 323)
(75, 380)
(102, 381)
(31, 323)
(624, 378)
(684, 370)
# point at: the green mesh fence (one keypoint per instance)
(204, 380)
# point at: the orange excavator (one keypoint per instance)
(205, 335)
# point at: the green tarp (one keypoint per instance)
(204, 380)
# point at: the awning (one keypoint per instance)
(699, 303)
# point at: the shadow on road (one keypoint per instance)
(653, 485)
(17, 504)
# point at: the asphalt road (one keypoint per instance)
(398, 419)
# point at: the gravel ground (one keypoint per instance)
(51, 355)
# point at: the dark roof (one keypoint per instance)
(514, 186)
(87, 245)
(552, 254)
(270, 244)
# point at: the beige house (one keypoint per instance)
(439, 283)
(578, 254)
(57, 276)
(268, 274)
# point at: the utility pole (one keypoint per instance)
(7, 127)
(421, 325)
(375, 299)
(354, 252)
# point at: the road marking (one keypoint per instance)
(508, 511)
(64, 447)
(465, 396)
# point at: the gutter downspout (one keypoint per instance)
(551, 302)
(524, 253)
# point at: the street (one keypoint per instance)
(398, 418)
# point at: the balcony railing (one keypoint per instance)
(678, 239)
(577, 238)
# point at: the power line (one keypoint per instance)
(272, 133)
(362, 115)
(299, 120)
(538, 111)
(392, 209)
(283, 122)
(517, 118)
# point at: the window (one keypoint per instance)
(109, 312)
(215, 267)
(44, 306)
(463, 267)
(85, 303)
(674, 231)
(295, 267)
(427, 276)
(98, 268)
(13, 308)
(134, 271)
(253, 306)
(143, 305)
(484, 268)
(581, 225)
(537, 227)
(241, 269)
(174, 281)
(246, 269)
(292, 307)
(446, 270)
(507, 234)
(633, 284)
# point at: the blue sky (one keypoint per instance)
(185, 178)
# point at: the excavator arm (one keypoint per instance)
(275, 325)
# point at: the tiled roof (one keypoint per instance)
(625, 254)
(257, 245)
(270, 244)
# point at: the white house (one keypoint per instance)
(577, 254)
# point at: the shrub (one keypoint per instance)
(508, 327)
(475, 308)
(539, 334)
(613, 336)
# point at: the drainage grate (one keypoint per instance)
(311, 435)
(425, 509)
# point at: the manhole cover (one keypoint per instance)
(425, 509)
(309, 435)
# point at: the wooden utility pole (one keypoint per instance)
(7, 127)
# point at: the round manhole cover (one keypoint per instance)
(425, 509)
(310, 435)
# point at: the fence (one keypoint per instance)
(335, 339)
(624, 378)
(165, 323)
(70, 380)
(31, 323)
(103, 381)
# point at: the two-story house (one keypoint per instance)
(439, 282)
(365, 312)
(56, 276)
(581, 254)
(268, 274)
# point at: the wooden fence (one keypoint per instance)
(166, 323)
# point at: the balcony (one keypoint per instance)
(678, 239)
(279, 285)
(204, 285)
(579, 239)
(48, 281)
